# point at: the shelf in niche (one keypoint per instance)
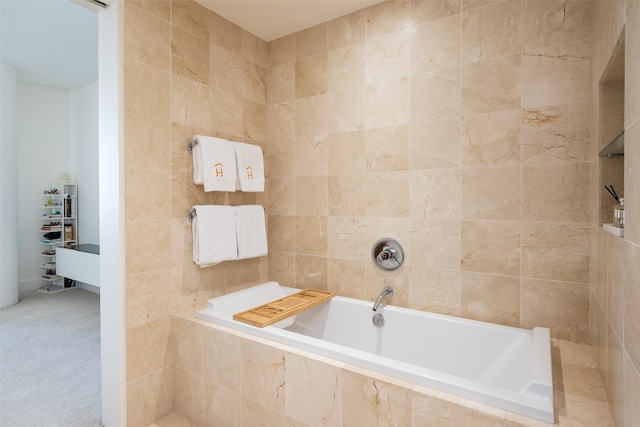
(615, 147)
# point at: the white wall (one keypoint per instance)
(42, 126)
(83, 155)
(8, 189)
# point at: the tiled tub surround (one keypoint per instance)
(505, 367)
(224, 377)
(488, 194)
(461, 129)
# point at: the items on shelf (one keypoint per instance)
(59, 230)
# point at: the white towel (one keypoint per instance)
(197, 161)
(251, 232)
(214, 235)
(214, 164)
(250, 167)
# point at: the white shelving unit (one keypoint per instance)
(59, 229)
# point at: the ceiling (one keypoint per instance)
(272, 19)
(55, 42)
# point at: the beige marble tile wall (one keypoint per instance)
(186, 72)
(615, 273)
(459, 128)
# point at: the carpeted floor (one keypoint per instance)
(50, 360)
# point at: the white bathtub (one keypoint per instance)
(506, 367)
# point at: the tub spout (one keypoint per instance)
(386, 292)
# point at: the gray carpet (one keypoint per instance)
(50, 360)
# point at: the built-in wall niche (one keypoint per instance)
(611, 137)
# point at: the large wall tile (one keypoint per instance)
(148, 297)
(347, 195)
(369, 402)
(560, 306)
(387, 194)
(558, 133)
(311, 195)
(556, 75)
(555, 251)
(430, 10)
(220, 356)
(310, 271)
(346, 238)
(154, 336)
(346, 30)
(146, 38)
(255, 82)
(150, 398)
(491, 139)
(311, 153)
(631, 393)
(346, 277)
(306, 377)
(492, 31)
(192, 17)
(190, 102)
(311, 235)
(311, 41)
(435, 144)
(388, 103)
(225, 33)
(187, 346)
(255, 414)
(556, 192)
(187, 395)
(282, 195)
(550, 23)
(148, 143)
(632, 184)
(387, 149)
(281, 232)
(491, 193)
(311, 76)
(435, 95)
(347, 154)
(632, 304)
(160, 8)
(490, 298)
(435, 243)
(222, 407)
(189, 56)
(492, 85)
(146, 90)
(436, 44)
(632, 65)
(146, 245)
(439, 409)
(263, 378)
(434, 290)
(491, 247)
(281, 83)
(282, 267)
(387, 17)
(435, 194)
(388, 57)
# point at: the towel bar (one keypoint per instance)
(192, 142)
(192, 214)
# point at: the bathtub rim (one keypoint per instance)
(534, 404)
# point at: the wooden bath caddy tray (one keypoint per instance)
(275, 311)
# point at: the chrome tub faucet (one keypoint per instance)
(386, 292)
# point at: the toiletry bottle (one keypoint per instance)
(618, 214)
